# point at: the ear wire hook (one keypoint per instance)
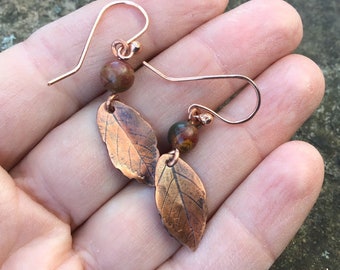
(121, 43)
(207, 77)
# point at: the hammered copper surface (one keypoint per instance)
(181, 201)
(130, 141)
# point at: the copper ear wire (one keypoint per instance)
(120, 48)
(210, 77)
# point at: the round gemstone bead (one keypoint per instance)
(183, 136)
(117, 76)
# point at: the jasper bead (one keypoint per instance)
(183, 136)
(117, 76)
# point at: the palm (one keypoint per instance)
(66, 206)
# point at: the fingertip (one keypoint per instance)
(275, 199)
(281, 23)
(291, 21)
(312, 77)
(309, 173)
(306, 81)
(293, 176)
(287, 21)
(295, 168)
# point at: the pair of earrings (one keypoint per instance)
(132, 145)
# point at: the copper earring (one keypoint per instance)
(180, 195)
(132, 144)
(130, 140)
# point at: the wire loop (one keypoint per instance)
(173, 159)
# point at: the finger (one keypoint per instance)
(28, 231)
(291, 89)
(219, 48)
(75, 200)
(131, 219)
(29, 104)
(255, 224)
(222, 159)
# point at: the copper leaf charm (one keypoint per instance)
(130, 140)
(181, 201)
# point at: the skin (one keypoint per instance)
(64, 206)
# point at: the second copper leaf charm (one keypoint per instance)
(181, 201)
(130, 141)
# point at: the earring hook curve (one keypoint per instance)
(207, 77)
(87, 44)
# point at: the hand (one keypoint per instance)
(62, 203)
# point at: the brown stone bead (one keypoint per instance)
(183, 136)
(117, 76)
